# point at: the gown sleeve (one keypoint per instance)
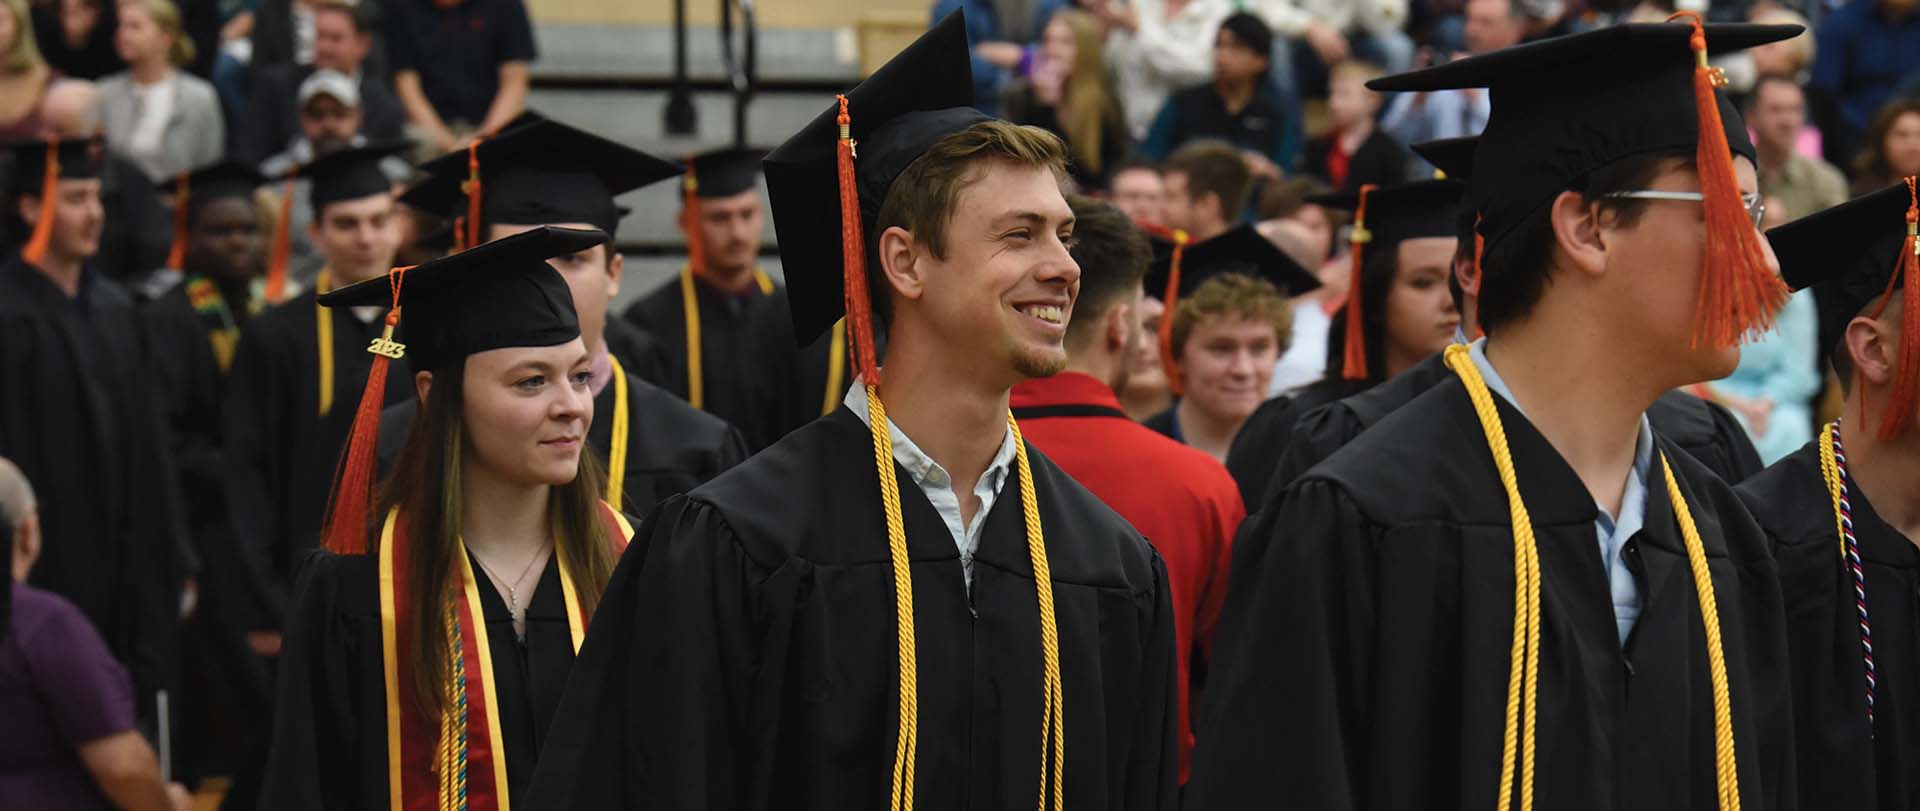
(255, 489)
(1153, 778)
(315, 761)
(1738, 455)
(1285, 714)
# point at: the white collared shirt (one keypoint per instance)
(937, 484)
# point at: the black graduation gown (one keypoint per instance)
(1368, 666)
(637, 350)
(1844, 763)
(672, 447)
(1250, 457)
(281, 453)
(746, 345)
(330, 732)
(78, 415)
(1708, 433)
(743, 655)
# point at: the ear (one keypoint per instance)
(616, 264)
(1875, 349)
(1577, 233)
(422, 383)
(901, 265)
(1119, 327)
(26, 546)
(1467, 274)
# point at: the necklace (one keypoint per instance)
(518, 611)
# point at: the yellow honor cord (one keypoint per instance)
(323, 327)
(909, 724)
(690, 307)
(1053, 726)
(617, 455)
(836, 365)
(1830, 472)
(1527, 610)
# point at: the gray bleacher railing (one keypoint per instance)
(742, 72)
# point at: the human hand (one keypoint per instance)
(1260, 166)
(1328, 43)
(179, 797)
(1004, 54)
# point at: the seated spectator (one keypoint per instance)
(341, 43)
(1789, 57)
(1226, 336)
(1771, 392)
(1892, 148)
(1303, 229)
(1157, 47)
(1068, 93)
(1802, 185)
(1866, 48)
(1147, 392)
(1237, 107)
(136, 228)
(1207, 186)
(70, 742)
(1000, 34)
(1136, 188)
(329, 122)
(1354, 152)
(24, 76)
(1413, 118)
(162, 118)
(1315, 36)
(76, 37)
(459, 66)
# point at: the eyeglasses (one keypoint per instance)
(1756, 207)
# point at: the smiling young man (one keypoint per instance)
(812, 627)
(1515, 556)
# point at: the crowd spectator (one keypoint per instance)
(70, 742)
(1891, 150)
(1157, 47)
(1314, 36)
(1771, 392)
(1790, 58)
(1137, 189)
(1412, 118)
(1226, 337)
(1354, 152)
(76, 37)
(1000, 33)
(1866, 48)
(460, 67)
(24, 76)
(1777, 114)
(137, 228)
(282, 32)
(1069, 92)
(164, 119)
(1236, 107)
(1207, 186)
(342, 43)
(1303, 229)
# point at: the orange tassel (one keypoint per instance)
(282, 245)
(177, 254)
(1171, 298)
(1479, 274)
(459, 233)
(690, 221)
(472, 188)
(1353, 363)
(346, 528)
(853, 254)
(1738, 293)
(1906, 381)
(36, 248)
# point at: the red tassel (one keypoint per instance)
(459, 233)
(282, 245)
(690, 221)
(36, 248)
(1479, 274)
(472, 188)
(1738, 293)
(1353, 363)
(853, 254)
(1906, 381)
(1171, 298)
(177, 254)
(346, 528)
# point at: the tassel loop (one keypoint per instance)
(1171, 297)
(473, 191)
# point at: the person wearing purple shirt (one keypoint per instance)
(70, 741)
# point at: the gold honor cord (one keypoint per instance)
(1053, 723)
(690, 307)
(836, 364)
(1524, 680)
(323, 326)
(617, 455)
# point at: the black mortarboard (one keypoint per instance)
(192, 190)
(1240, 250)
(493, 296)
(1566, 106)
(348, 174)
(725, 172)
(1851, 255)
(904, 108)
(1452, 156)
(1423, 208)
(540, 173)
(37, 166)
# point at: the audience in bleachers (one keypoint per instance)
(1355, 152)
(1891, 148)
(1069, 92)
(1488, 25)
(76, 36)
(342, 43)
(164, 119)
(1867, 50)
(24, 76)
(1237, 106)
(461, 67)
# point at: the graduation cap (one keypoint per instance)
(824, 199)
(42, 165)
(1179, 268)
(348, 173)
(1452, 156)
(491, 296)
(1382, 219)
(193, 190)
(537, 172)
(709, 175)
(1564, 107)
(1852, 255)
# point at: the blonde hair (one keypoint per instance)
(1233, 294)
(166, 16)
(23, 53)
(1087, 101)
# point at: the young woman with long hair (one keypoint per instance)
(430, 640)
(1069, 92)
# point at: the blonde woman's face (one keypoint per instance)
(1057, 44)
(139, 37)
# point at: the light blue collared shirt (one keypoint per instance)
(1613, 531)
(937, 484)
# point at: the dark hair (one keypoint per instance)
(1760, 85)
(1135, 163)
(361, 24)
(1376, 279)
(1872, 162)
(425, 485)
(1113, 257)
(1282, 199)
(1216, 168)
(1516, 269)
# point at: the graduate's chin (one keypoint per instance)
(1040, 362)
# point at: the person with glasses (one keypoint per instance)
(1513, 589)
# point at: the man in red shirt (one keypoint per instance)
(1179, 498)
